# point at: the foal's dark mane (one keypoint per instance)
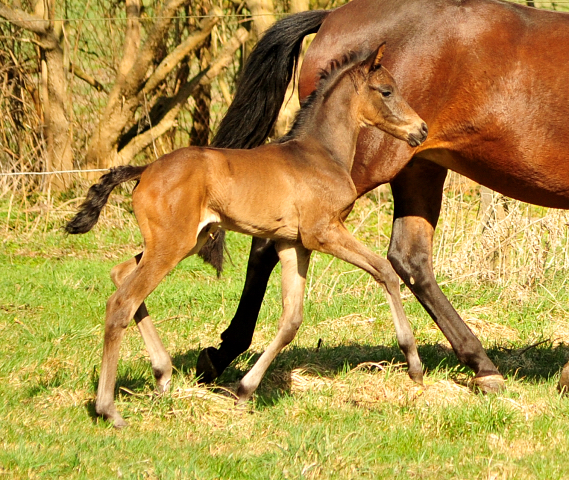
(329, 77)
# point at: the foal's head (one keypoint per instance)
(379, 103)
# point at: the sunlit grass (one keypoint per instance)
(337, 403)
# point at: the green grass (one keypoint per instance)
(343, 410)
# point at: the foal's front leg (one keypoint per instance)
(294, 260)
(159, 357)
(335, 239)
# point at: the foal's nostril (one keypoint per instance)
(420, 135)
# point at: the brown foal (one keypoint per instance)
(296, 192)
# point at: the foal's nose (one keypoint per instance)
(415, 139)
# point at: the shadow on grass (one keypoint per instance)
(529, 363)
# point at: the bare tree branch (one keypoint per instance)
(124, 98)
(79, 73)
(132, 36)
(176, 56)
(205, 77)
(263, 13)
(24, 20)
(147, 53)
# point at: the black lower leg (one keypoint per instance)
(417, 193)
(237, 338)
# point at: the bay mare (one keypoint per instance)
(489, 77)
(296, 193)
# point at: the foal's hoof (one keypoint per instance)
(119, 423)
(244, 394)
(162, 387)
(205, 369)
(113, 417)
(417, 377)
(489, 384)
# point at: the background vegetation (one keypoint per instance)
(337, 403)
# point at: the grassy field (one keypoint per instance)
(335, 404)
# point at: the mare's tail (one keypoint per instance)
(98, 195)
(260, 94)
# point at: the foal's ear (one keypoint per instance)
(374, 60)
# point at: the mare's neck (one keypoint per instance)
(334, 124)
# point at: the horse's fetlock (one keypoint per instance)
(162, 369)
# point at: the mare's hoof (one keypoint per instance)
(489, 384)
(205, 369)
(417, 377)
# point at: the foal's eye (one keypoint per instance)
(385, 90)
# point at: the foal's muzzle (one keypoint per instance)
(416, 138)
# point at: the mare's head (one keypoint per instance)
(379, 104)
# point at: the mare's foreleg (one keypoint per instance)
(159, 357)
(237, 338)
(417, 192)
(335, 240)
(294, 260)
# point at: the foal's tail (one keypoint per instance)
(98, 195)
(260, 94)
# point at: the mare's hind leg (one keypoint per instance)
(336, 240)
(294, 260)
(159, 357)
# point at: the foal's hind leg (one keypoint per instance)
(336, 240)
(159, 357)
(121, 307)
(294, 260)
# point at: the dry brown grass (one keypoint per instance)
(500, 240)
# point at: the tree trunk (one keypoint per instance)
(263, 14)
(199, 135)
(57, 129)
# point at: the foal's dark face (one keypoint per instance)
(382, 106)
